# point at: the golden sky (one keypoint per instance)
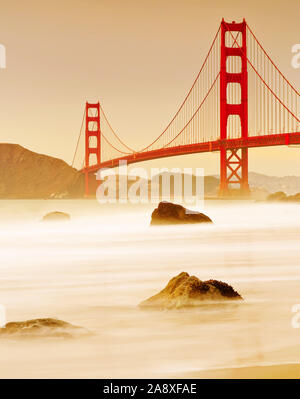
(139, 58)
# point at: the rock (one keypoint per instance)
(56, 217)
(41, 328)
(282, 197)
(278, 196)
(293, 198)
(168, 213)
(185, 290)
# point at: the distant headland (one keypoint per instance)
(25, 174)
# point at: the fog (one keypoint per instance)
(94, 270)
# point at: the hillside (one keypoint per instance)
(29, 175)
(288, 184)
(26, 174)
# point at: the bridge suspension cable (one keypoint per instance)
(78, 140)
(195, 113)
(113, 132)
(273, 103)
(188, 94)
(105, 152)
(276, 113)
(269, 58)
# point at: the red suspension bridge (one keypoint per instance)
(239, 100)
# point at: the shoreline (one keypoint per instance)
(276, 371)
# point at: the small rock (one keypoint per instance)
(56, 217)
(168, 213)
(41, 328)
(185, 290)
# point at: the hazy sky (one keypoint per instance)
(139, 58)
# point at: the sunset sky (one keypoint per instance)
(139, 58)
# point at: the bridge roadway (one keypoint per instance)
(211, 146)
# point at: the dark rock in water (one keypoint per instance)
(56, 217)
(185, 290)
(168, 213)
(41, 328)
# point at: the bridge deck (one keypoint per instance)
(250, 142)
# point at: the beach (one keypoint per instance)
(94, 270)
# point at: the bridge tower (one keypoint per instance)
(92, 129)
(233, 163)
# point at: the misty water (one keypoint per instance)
(94, 270)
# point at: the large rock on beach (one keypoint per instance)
(185, 291)
(47, 327)
(169, 213)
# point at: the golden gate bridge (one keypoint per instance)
(239, 100)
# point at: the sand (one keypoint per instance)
(277, 371)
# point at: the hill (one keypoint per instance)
(288, 184)
(26, 174)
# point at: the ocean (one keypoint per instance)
(94, 270)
